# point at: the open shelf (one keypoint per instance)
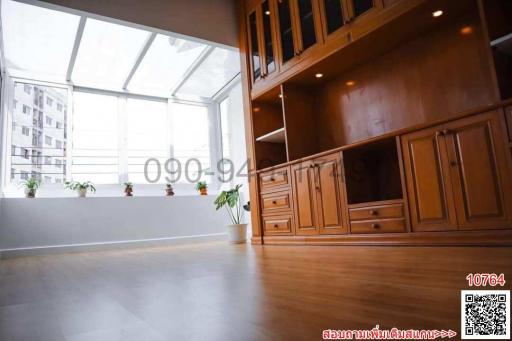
(373, 172)
(276, 136)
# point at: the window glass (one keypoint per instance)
(32, 144)
(191, 141)
(147, 137)
(213, 74)
(95, 138)
(164, 65)
(37, 40)
(106, 54)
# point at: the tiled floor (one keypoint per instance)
(217, 291)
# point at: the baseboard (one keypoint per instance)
(125, 244)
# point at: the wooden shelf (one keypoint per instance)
(276, 136)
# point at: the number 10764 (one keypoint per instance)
(483, 279)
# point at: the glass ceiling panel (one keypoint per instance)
(217, 70)
(164, 65)
(106, 54)
(38, 41)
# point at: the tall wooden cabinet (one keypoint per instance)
(458, 175)
(320, 200)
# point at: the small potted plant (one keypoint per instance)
(128, 189)
(31, 185)
(237, 231)
(169, 190)
(80, 187)
(202, 187)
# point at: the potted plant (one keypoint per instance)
(128, 189)
(237, 232)
(80, 187)
(169, 190)
(31, 185)
(202, 187)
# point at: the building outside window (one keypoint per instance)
(59, 106)
(23, 175)
(49, 101)
(35, 127)
(58, 144)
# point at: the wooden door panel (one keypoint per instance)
(481, 173)
(304, 198)
(331, 203)
(428, 182)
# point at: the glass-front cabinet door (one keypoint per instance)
(299, 27)
(335, 16)
(261, 40)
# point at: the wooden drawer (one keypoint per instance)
(377, 212)
(378, 226)
(279, 224)
(278, 201)
(274, 180)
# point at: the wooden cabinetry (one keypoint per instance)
(458, 175)
(261, 36)
(320, 202)
(299, 29)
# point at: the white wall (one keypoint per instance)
(49, 223)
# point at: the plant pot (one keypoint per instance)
(128, 192)
(203, 191)
(169, 192)
(237, 234)
(30, 193)
(82, 192)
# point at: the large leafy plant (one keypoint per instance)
(75, 185)
(231, 201)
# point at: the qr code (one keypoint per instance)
(485, 314)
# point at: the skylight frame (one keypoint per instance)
(173, 88)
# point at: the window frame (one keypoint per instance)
(57, 190)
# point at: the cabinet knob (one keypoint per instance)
(375, 226)
(373, 212)
(272, 179)
(276, 226)
(317, 188)
(274, 202)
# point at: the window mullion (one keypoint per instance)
(122, 117)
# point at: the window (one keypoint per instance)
(58, 144)
(58, 125)
(49, 101)
(95, 138)
(13, 174)
(47, 160)
(190, 139)
(226, 132)
(39, 147)
(58, 163)
(27, 88)
(59, 106)
(147, 137)
(14, 103)
(24, 175)
(47, 179)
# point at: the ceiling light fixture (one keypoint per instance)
(350, 83)
(319, 75)
(437, 13)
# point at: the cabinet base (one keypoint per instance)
(454, 238)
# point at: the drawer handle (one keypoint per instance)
(373, 212)
(375, 226)
(276, 226)
(274, 202)
(272, 179)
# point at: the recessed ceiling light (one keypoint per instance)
(267, 12)
(466, 30)
(350, 83)
(257, 109)
(437, 13)
(280, 95)
(319, 75)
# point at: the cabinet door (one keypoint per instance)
(254, 46)
(308, 23)
(268, 38)
(481, 171)
(357, 8)
(330, 198)
(363, 16)
(334, 18)
(303, 179)
(286, 29)
(428, 180)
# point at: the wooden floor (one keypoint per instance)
(222, 292)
